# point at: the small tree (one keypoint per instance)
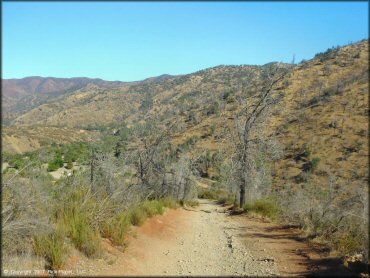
(249, 128)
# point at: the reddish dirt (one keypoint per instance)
(164, 227)
(208, 241)
(294, 256)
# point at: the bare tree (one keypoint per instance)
(150, 158)
(249, 121)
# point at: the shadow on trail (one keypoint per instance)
(317, 267)
(333, 267)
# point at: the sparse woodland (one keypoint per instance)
(285, 141)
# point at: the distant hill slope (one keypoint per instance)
(21, 95)
(161, 97)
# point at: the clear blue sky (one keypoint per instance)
(131, 41)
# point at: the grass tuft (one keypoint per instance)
(137, 216)
(263, 207)
(116, 228)
(52, 247)
(83, 236)
(77, 222)
(153, 207)
(169, 202)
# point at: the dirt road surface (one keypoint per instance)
(206, 240)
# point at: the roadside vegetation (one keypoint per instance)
(114, 191)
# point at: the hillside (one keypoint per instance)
(160, 97)
(21, 95)
(325, 109)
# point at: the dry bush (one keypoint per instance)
(21, 263)
(24, 206)
(335, 215)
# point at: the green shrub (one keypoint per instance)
(17, 163)
(56, 163)
(193, 117)
(307, 151)
(315, 162)
(225, 95)
(191, 140)
(160, 207)
(264, 207)
(52, 167)
(149, 208)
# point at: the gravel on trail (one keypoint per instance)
(203, 241)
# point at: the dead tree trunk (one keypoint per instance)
(242, 193)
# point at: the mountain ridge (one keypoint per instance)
(324, 108)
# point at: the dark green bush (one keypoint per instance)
(307, 150)
(69, 164)
(56, 163)
(315, 162)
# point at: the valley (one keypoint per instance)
(147, 177)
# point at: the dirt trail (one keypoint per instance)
(207, 241)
